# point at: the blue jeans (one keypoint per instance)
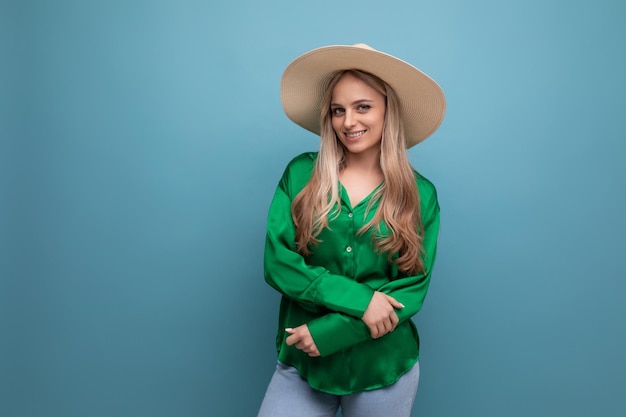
(288, 395)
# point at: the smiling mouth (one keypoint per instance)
(355, 135)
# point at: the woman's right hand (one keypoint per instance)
(380, 315)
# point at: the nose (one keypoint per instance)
(349, 119)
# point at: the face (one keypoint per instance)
(358, 115)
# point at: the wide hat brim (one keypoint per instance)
(422, 101)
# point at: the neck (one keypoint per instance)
(364, 162)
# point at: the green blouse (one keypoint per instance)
(331, 289)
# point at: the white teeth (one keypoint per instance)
(355, 134)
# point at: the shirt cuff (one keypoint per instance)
(334, 332)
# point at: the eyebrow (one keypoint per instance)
(363, 100)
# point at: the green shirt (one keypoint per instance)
(331, 289)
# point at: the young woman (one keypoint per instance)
(351, 236)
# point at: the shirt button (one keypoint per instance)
(349, 249)
(350, 215)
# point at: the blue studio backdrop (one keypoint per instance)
(141, 143)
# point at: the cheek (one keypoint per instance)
(380, 121)
(336, 124)
(375, 122)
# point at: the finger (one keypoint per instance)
(292, 339)
(380, 329)
(394, 320)
(395, 303)
(306, 347)
(290, 331)
(388, 325)
(373, 331)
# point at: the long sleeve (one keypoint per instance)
(313, 287)
(334, 331)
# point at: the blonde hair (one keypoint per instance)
(399, 205)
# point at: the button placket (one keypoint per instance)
(350, 216)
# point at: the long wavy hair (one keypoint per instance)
(396, 226)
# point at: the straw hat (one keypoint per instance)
(422, 101)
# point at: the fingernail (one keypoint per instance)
(401, 305)
(288, 329)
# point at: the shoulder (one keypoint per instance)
(429, 202)
(425, 186)
(298, 173)
(304, 161)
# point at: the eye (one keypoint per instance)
(337, 111)
(363, 107)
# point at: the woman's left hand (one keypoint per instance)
(302, 339)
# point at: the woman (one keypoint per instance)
(351, 236)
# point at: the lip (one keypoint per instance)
(353, 136)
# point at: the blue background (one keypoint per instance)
(141, 144)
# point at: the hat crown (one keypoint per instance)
(364, 46)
